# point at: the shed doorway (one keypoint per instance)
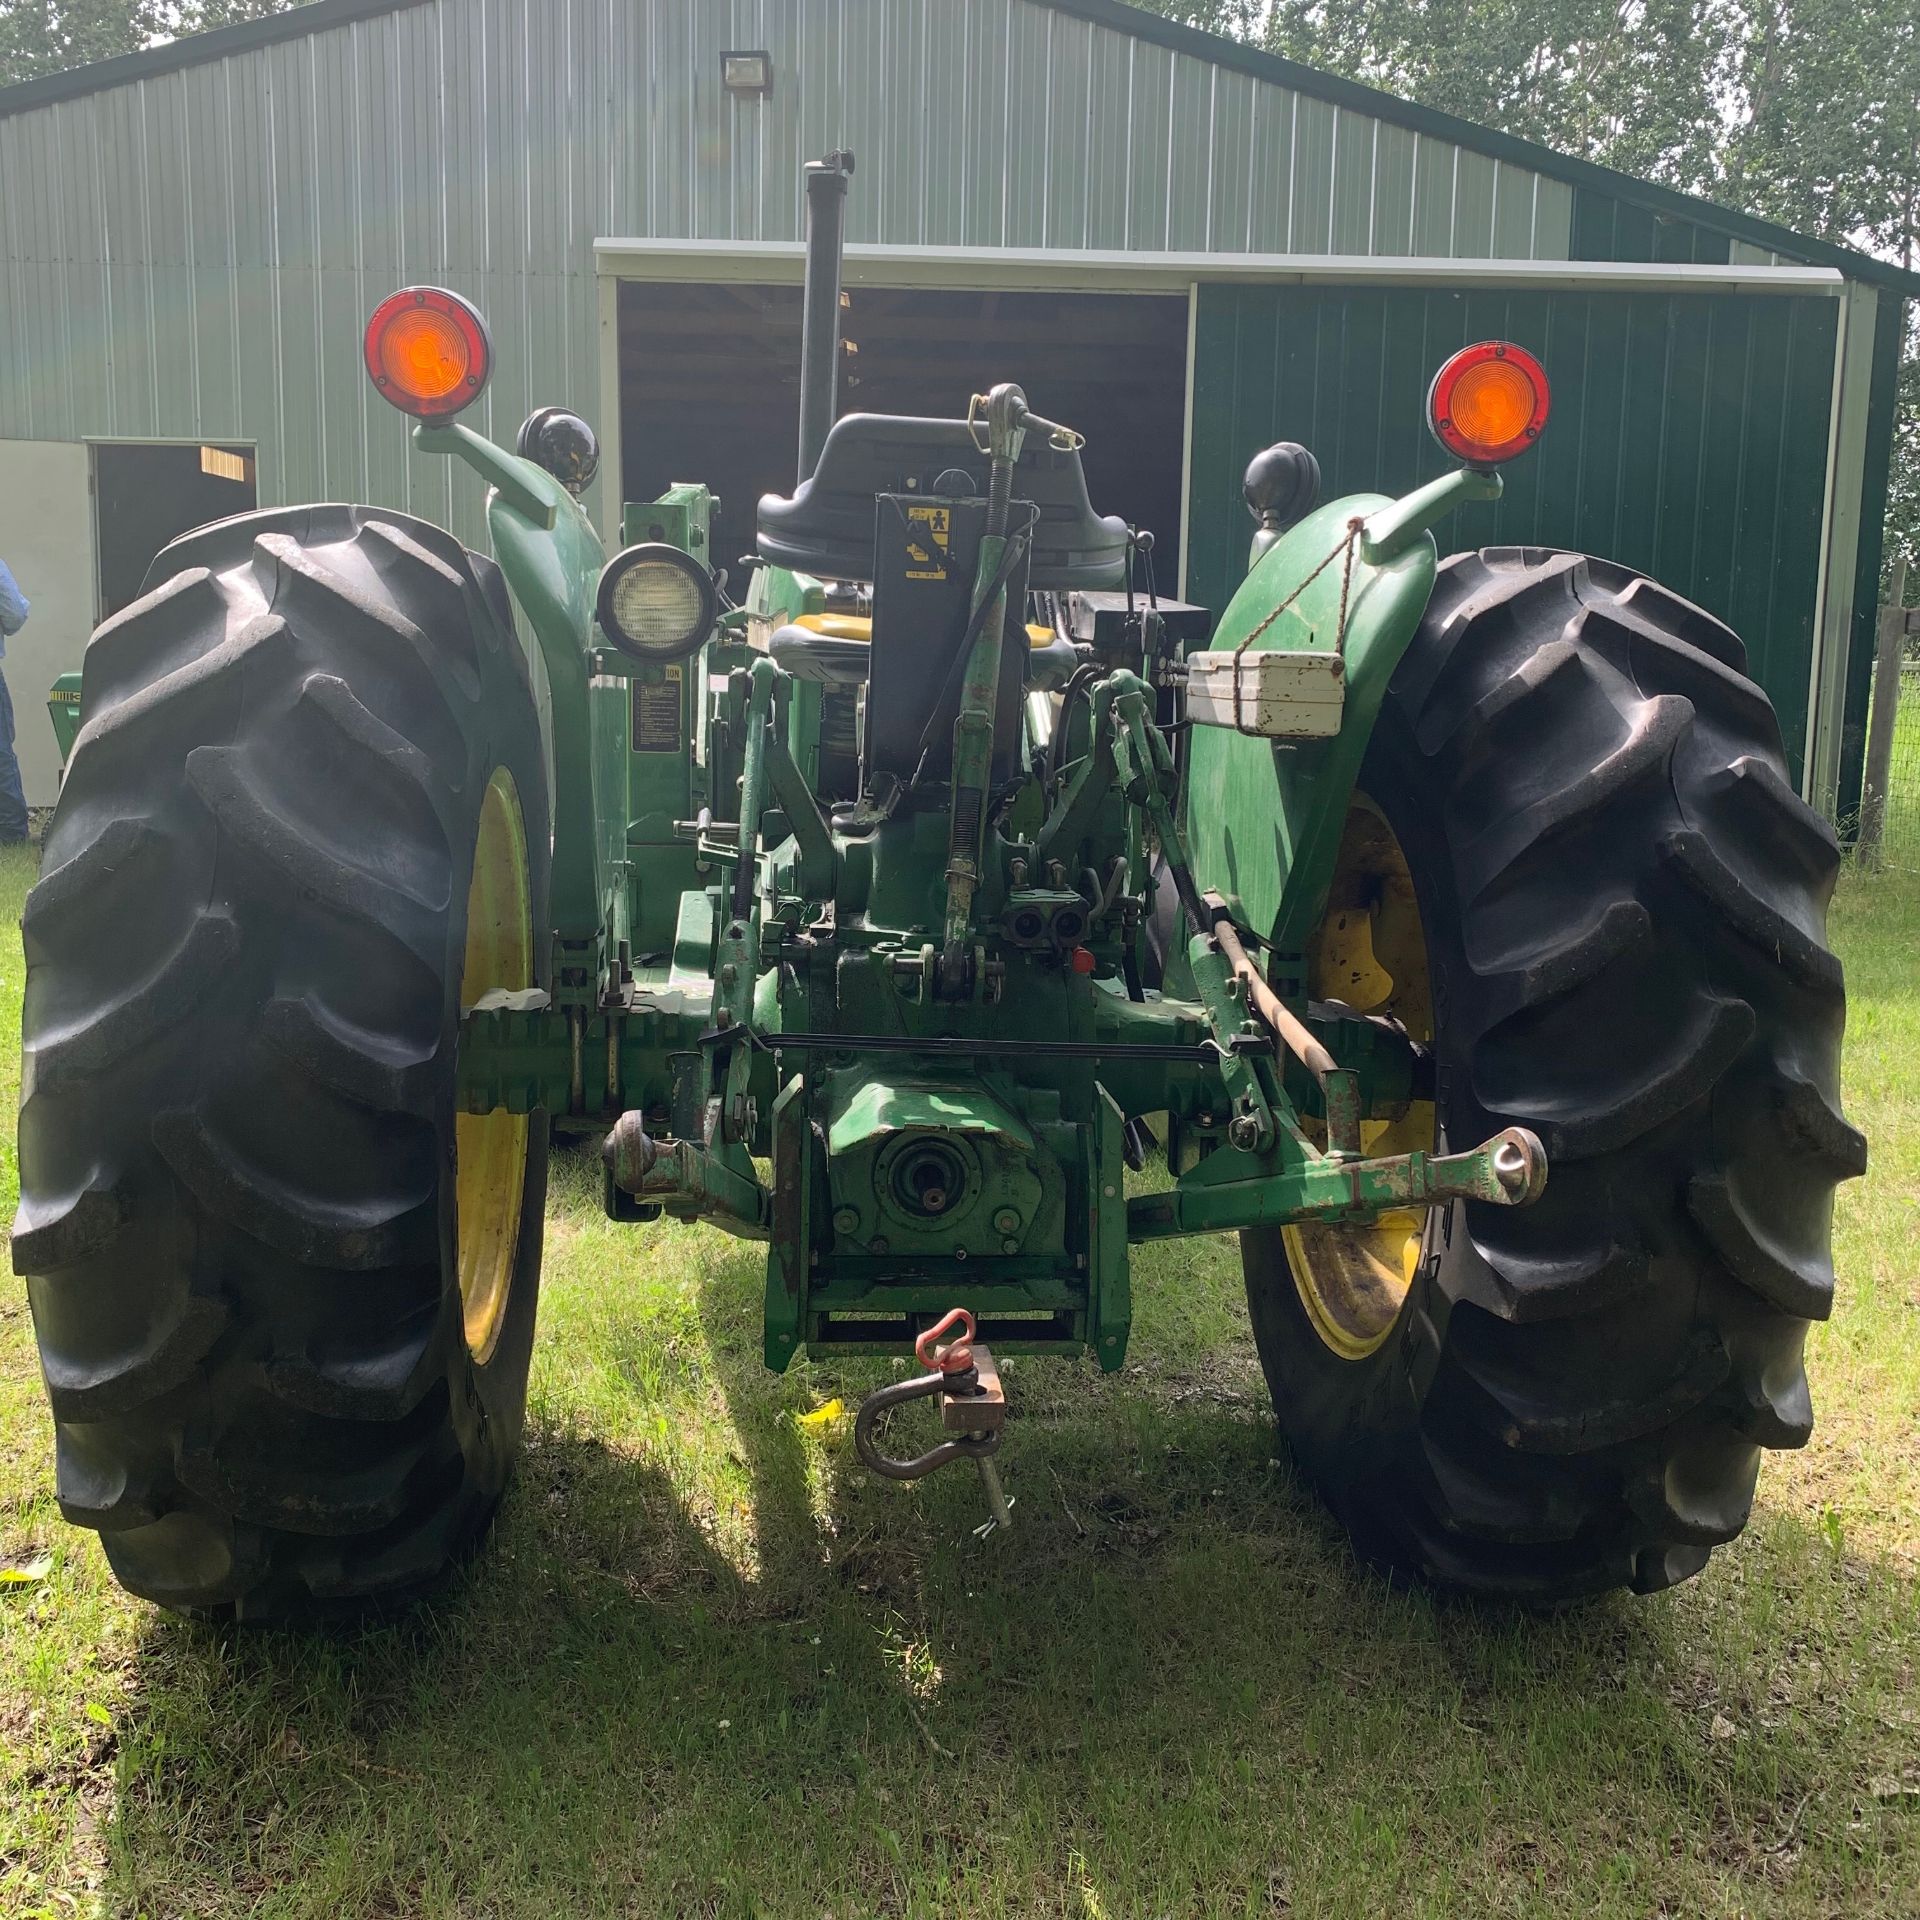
(710, 386)
(147, 493)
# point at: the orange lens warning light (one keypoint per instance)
(428, 352)
(1488, 403)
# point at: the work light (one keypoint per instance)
(656, 602)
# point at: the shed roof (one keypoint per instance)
(319, 15)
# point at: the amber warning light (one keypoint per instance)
(1488, 403)
(428, 352)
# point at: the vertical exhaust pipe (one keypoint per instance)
(820, 317)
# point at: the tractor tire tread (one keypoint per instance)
(1640, 975)
(234, 1218)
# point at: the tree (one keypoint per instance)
(1576, 75)
(1804, 112)
(45, 36)
(48, 36)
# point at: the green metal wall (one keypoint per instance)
(195, 251)
(191, 238)
(1688, 436)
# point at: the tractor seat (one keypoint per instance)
(836, 649)
(833, 648)
(826, 528)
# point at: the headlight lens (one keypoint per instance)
(656, 602)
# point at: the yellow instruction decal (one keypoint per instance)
(929, 529)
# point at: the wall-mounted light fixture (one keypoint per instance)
(747, 73)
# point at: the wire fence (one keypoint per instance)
(1900, 838)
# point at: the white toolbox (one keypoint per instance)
(1280, 695)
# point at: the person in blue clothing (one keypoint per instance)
(14, 608)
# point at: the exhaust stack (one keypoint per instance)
(820, 318)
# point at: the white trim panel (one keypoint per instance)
(1839, 548)
(776, 261)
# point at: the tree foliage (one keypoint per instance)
(48, 36)
(1804, 112)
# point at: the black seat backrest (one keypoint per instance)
(929, 553)
(826, 528)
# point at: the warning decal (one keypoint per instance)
(929, 530)
(656, 714)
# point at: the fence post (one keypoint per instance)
(1886, 702)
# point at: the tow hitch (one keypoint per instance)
(973, 1409)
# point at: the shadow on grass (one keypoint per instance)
(1167, 1691)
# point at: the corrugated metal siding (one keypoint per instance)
(1608, 229)
(1688, 435)
(195, 253)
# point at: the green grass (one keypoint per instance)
(706, 1666)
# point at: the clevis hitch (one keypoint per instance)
(973, 1410)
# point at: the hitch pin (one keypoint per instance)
(1002, 1514)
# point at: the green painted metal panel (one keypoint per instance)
(1110, 139)
(1149, 104)
(36, 365)
(1069, 130)
(1229, 178)
(1552, 219)
(1513, 198)
(1028, 150)
(1311, 183)
(1433, 163)
(630, 24)
(1604, 228)
(1190, 148)
(1688, 436)
(1351, 220)
(1473, 184)
(1270, 172)
(1393, 153)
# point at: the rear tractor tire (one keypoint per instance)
(1578, 870)
(284, 1296)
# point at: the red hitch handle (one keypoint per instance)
(957, 1355)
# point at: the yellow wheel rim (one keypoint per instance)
(1370, 951)
(490, 1149)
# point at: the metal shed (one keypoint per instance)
(193, 236)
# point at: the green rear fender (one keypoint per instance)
(1263, 818)
(551, 557)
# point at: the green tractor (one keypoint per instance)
(1450, 929)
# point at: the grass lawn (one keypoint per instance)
(706, 1666)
